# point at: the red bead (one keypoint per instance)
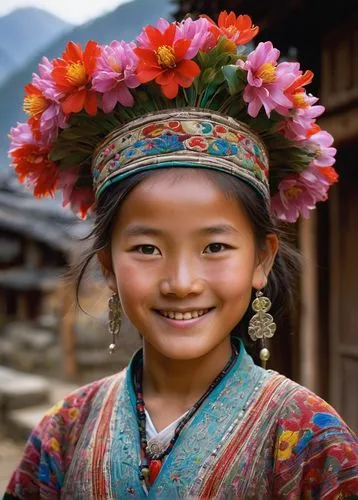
(154, 469)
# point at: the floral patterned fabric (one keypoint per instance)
(259, 435)
(185, 138)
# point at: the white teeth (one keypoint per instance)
(184, 316)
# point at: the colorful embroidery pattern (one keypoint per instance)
(278, 441)
(198, 142)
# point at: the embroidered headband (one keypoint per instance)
(184, 138)
(190, 93)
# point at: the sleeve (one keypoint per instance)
(49, 449)
(316, 454)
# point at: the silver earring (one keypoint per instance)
(262, 325)
(114, 320)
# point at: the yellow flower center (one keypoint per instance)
(115, 65)
(34, 158)
(34, 104)
(228, 46)
(293, 193)
(76, 74)
(232, 29)
(267, 72)
(166, 56)
(300, 101)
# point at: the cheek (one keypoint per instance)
(232, 275)
(133, 282)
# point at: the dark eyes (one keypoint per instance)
(152, 250)
(146, 249)
(217, 247)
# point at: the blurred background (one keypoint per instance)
(47, 345)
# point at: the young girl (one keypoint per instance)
(187, 148)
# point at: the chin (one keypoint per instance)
(182, 349)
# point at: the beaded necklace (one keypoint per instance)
(152, 461)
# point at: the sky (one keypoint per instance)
(73, 11)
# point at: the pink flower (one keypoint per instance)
(198, 32)
(267, 80)
(81, 200)
(299, 193)
(45, 82)
(301, 119)
(20, 135)
(115, 74)
(320, 143)
(66, 182)
(51, 116)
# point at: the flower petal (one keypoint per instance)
(147, 74)
(74, 102)
(170, 91)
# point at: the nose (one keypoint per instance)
(182, 278)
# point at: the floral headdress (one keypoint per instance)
(192, 93)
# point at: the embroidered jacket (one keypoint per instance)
(259, 435)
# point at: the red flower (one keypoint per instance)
(164, 61)
(35, 103)
(32, 164)
(72, 75)
(239, 30)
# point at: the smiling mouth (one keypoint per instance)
(183, 316)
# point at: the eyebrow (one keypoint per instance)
(140, 230)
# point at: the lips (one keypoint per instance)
(183, 315)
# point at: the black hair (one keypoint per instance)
(281, 280)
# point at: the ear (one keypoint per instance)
(265, 261)
(105, 260)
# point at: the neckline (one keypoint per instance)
(138, 356)
(168, 427)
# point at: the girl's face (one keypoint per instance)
(184, 262)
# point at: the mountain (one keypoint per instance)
(123, 23)
(23, 33)
(7, 64)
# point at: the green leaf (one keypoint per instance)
(73, 159)
(208, 93)
(235, 77)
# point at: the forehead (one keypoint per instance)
(180, 197)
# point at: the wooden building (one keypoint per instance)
(324, 37)
(38, 242)
(35, 241)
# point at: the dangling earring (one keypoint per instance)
(114, 320)
(262, 325)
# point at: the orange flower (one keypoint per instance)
(239, 30)
(35, 103)
(330, 173)
(296, 92)
(164, 61)
(32, 164)
(72, 76)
